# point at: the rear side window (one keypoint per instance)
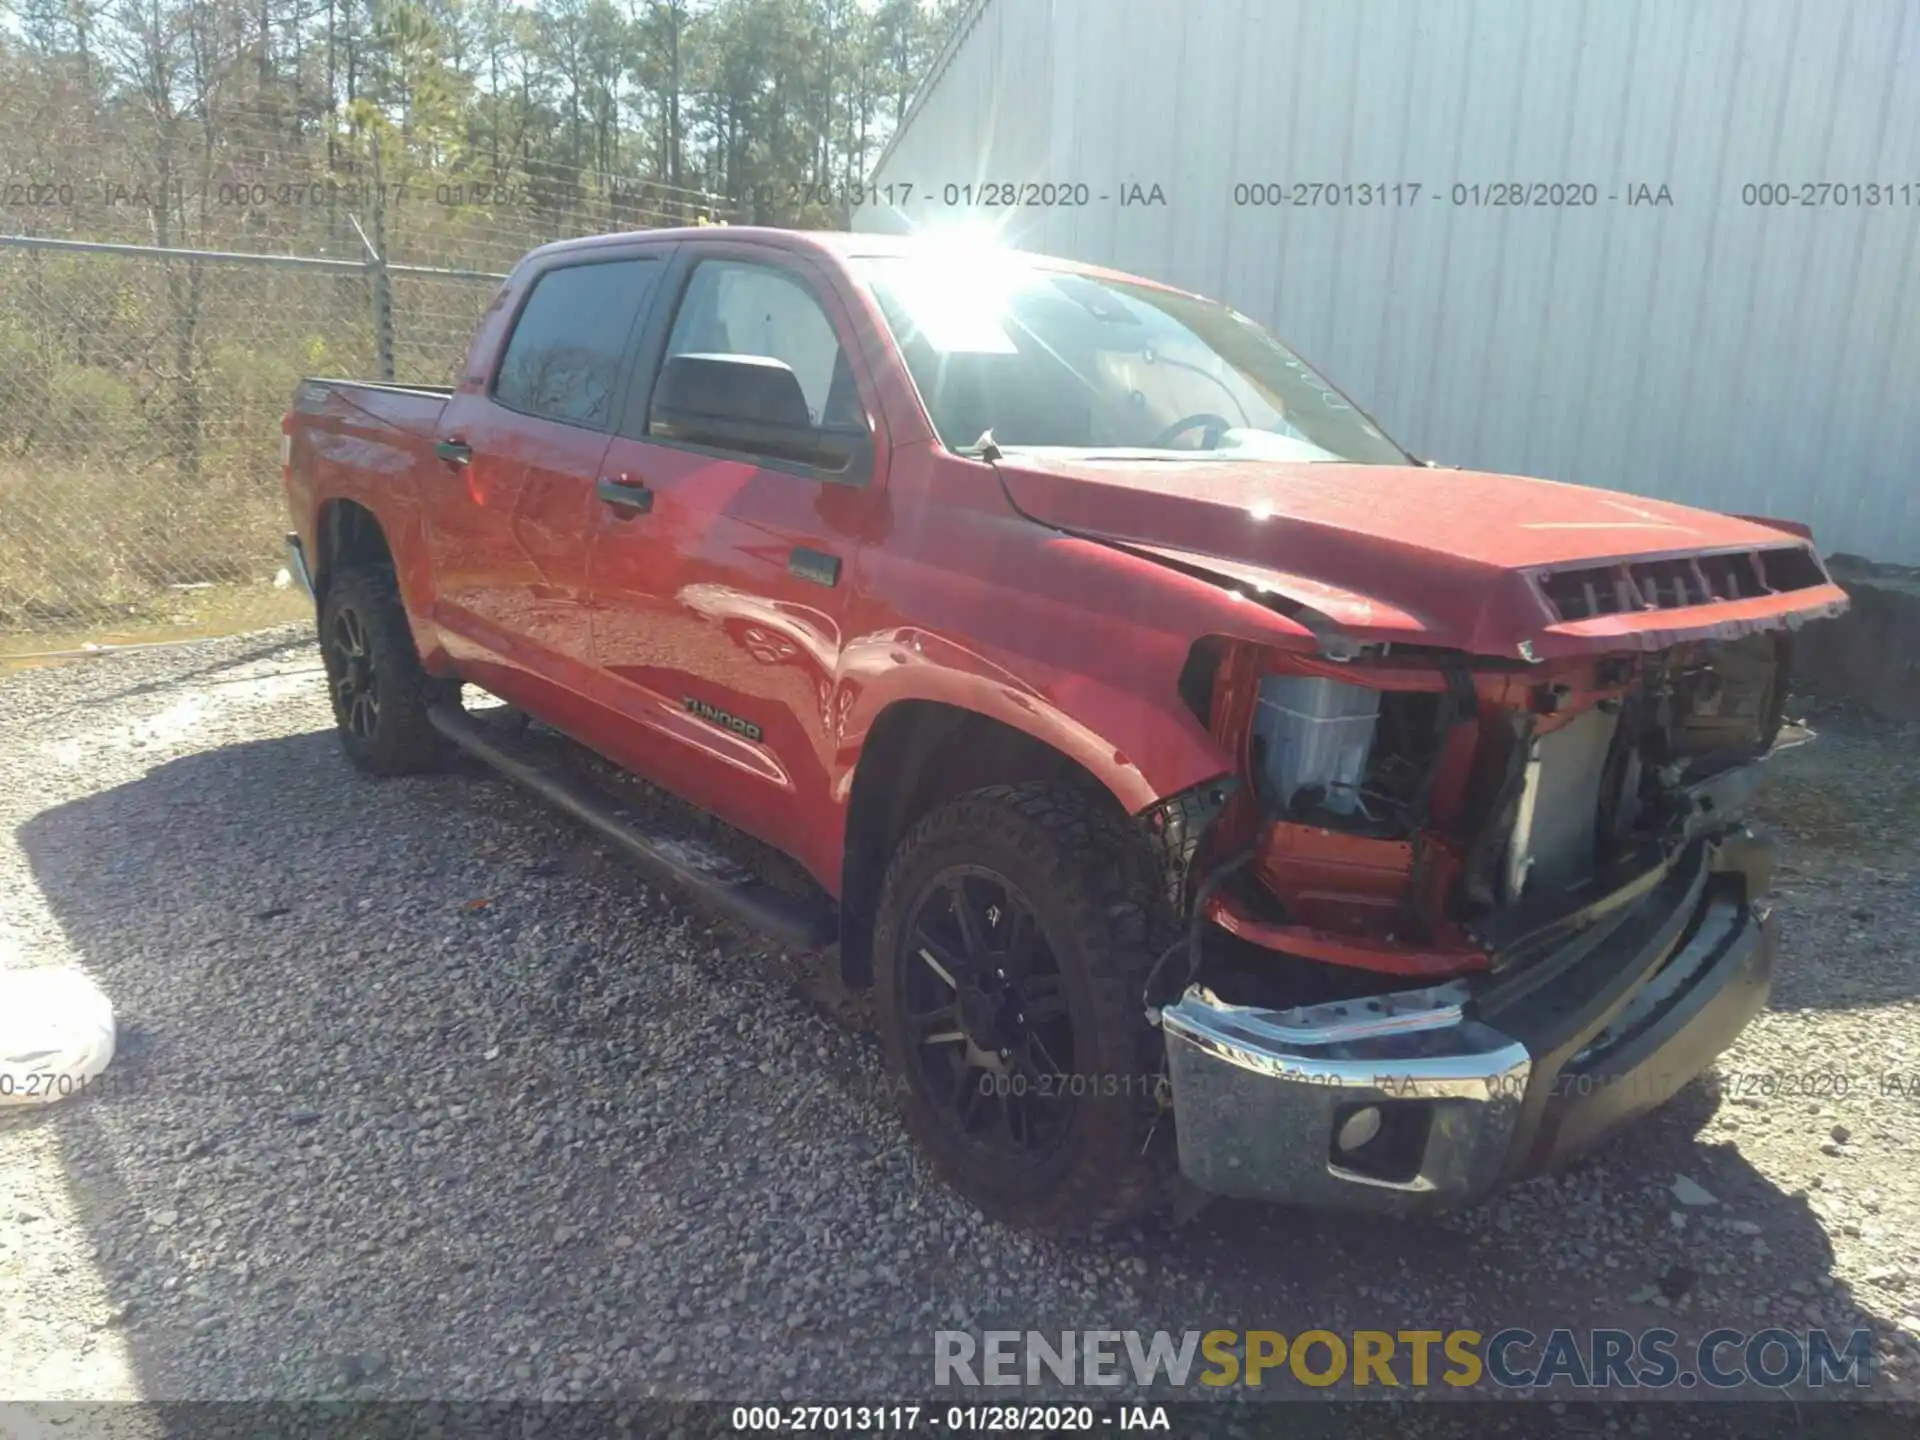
(564, 357)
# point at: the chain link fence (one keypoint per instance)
(141, 392)
(151, 336)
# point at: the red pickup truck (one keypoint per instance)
(1206, 787)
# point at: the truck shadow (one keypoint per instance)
(422, 1207)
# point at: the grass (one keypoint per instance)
(89, 550)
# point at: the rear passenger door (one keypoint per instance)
(509, 523)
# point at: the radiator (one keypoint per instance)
(1555, 833)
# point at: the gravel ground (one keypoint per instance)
(423, 1094)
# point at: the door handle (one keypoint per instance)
(628, 494)
(454, 452)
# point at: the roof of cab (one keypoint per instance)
(833, 244)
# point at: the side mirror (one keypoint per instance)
(752, 403)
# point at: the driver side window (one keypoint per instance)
(737, 307)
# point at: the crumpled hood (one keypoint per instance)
(1407, 553)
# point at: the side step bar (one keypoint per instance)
(666, 859)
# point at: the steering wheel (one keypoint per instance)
(1214, 426)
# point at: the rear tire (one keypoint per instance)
(380, 693)
(1016, 1038)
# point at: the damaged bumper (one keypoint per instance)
(1429, 1099)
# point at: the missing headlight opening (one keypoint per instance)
(1426, 813)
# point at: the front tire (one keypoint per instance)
(380, 693)
(1011, 949)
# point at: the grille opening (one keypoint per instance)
(1792, 568)
(1673, 584)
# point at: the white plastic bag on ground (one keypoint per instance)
(56, 1034)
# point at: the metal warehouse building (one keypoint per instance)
(1665, 246)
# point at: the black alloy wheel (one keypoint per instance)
(356, 686)
(986, 1011)
(1014, 932)
(381, 696)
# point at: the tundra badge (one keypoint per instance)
(717, 716)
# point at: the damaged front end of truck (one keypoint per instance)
(1459, 915)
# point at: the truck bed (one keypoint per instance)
(411, 408)
(363, 441)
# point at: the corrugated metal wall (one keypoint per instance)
(1761, 358)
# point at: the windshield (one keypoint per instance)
(1037, 358)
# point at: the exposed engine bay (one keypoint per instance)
(1412, 816)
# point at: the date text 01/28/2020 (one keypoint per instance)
(952, 1419)
(1773, 1084)
(1407, 194)
(970, 194)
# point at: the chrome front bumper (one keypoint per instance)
(1259, 1095)
(1474, 1083)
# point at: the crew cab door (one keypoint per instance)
(511, 506)
(721, 576)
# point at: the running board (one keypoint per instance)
(666, 858)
